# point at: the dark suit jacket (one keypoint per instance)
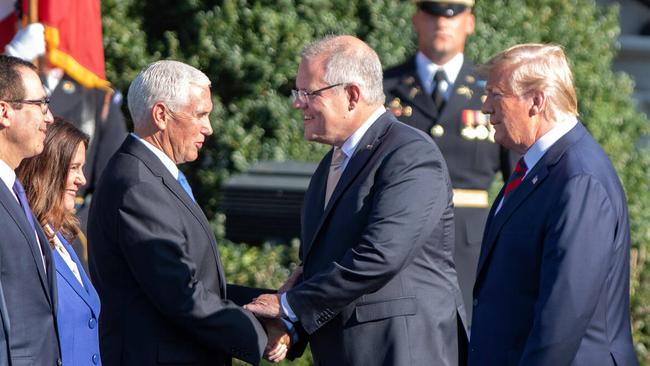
(379, 285)
(155, 263)
(473, 162)
(4, 329)
(77, 313)
(553, 277)
(29, 319)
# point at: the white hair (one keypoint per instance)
(349, 64)
(165, 82)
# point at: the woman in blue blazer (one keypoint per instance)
(51, 182)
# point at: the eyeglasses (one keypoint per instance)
(43, 103)
(303, 96)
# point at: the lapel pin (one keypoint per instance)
(368, 147)
(534, 180)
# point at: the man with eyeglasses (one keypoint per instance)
(378, 285)
(439, 92)
(27, 274)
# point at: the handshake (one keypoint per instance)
(269, 309)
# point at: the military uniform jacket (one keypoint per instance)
(466, 140)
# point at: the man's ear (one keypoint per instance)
(160, 115)
(6, 114)
(538, 104)
(354, 95)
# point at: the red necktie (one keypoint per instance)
(516, 177)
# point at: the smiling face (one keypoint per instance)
(188, 127)
(75, 178)
(441, 38)
(25, 124)
(324, 114)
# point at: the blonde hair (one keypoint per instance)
(539, 67)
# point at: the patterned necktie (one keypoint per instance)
(336, 169)
(182, 180)
(438, 94)
(22, 198)
(516, 177)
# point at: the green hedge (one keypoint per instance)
(250, 49)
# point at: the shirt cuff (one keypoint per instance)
(291, 329)
(286, 309)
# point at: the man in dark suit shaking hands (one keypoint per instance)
(154, 258)
(552, 284)
(27, 275)
(378, 285)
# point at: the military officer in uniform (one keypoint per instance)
(437, 91)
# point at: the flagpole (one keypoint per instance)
(33, 11)
(32, 17)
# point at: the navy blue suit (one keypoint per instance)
(28, 289)
(77, 313)
(552, 283)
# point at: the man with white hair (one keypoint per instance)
(154, 259)
(378, 285)
(552, 284)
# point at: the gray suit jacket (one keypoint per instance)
(379, 285)
(155, 263)
(27, 303)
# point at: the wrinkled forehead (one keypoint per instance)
(310, 71)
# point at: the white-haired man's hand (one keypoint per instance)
(28, 43)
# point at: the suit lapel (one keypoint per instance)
(365, 149)
(410, 89)
(152, 162)
(86, 292)
(12, 206)
(314, 197)
(531, 182)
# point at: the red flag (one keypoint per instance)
(73, 37)
(8, 20)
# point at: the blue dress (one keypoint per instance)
(77, 312)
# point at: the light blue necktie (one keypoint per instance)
(185, 184)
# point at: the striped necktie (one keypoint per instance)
(516, 177)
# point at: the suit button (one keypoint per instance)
(59, 362)
(92, 323)
(475, 302)
(95, 359)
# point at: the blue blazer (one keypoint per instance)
(77, 313)
(552, 284)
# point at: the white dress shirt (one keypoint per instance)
(426, 69)
(539, 148)
(8, 176)
(166, 160)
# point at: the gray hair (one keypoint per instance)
(349, 64)
(166, 82)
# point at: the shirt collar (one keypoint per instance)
(7, 175)
(167, 162)
(350, 145)
(539, 148)
(426, 68)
